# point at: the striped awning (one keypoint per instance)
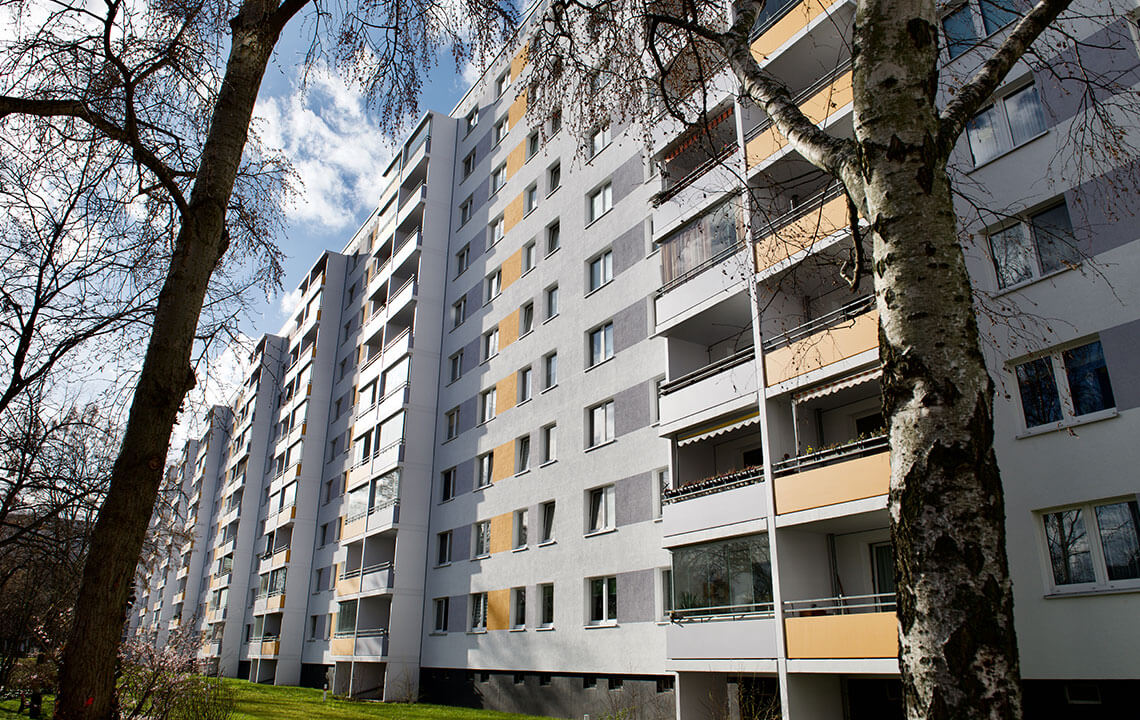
(842, 384)
(698, 133)
(719, 427)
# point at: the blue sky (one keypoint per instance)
(336, 147)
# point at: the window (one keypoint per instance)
(601, 270)
(493, 285)
(708, 578)
(603, 600)
(528, 257)
(520, 528)
(600, 140)
(666, 592)
(526, 319)
(546, 597)
(532, 145)
(491, 344)
(462, 259)
(452, 423)
(601, 201)
(496, 230)
(478, 612)
(1040, 244)
(455, 363)
(1064, 385)
(601, 424)
(459, 312)
(556, 121)
(589, 681)
(487, 405)
(961, 25)
(549, 443)
(551, 301)
(547, 509)
(554, 177)
(525, 376)
(498, 178)
(1095, 544)
(472, 120)
(500, 131)
(441, 608)
(602, 344)
(501, 84)
(600, 509)
(522, 453)
(443, 548)
(530, 199)
(550, 362)
(1011, 121)
(615, 683)
(662, 477)
(482, 538)
(486, 467)
(469, 164)
(465, 209)
(553, 238)
(447, 485)
(518, 609)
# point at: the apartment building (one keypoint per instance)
(565, 434)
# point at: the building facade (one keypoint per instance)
(565, 434)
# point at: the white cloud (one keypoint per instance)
(335, 147)
(287, 303)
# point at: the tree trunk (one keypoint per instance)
(86, 680)
(958, 651)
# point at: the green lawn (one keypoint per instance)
(268, 702)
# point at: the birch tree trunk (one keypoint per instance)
(87, 677)
(958, 650)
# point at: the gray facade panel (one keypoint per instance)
(461, 543)
(634, 501)
(627, 177)
(471, 355)
(631, 326)
(1121, 348)
(1066, 90)
(465, 476)
(467, 412)
(631, 408)
(629, 248)
(1096, 206)
(635, 596)
(457, 614)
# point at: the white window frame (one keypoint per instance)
(603, 414)
(490, 343)
(1004, 141)
(600, 139)
(601, 201)
(468, 164)
(462, 259)
(520, 539)
(529, 257)
(497, 230)
(452, 423)
(542, 590)
(551, 302)
(553, 178)
(459, 312)
(447, 484)
(600, 271)
(607, 593)
(1027, 229)
(518, 608)
(456, 365)
(481, 540)
(441, 609)
(1092, 529)
(487, 405)
(498, 178)
(465, 209)
(500, 132)
(522, 454)
(549, 443)
(550, 370)
(485, 464)
(530, 199)
(477, 622)
(601, 343)
(526, 319)
(553, 237)
(472, 120)
(526, 384)
(1064, 392)
(600, 509)
(445, 543)
(501, 84)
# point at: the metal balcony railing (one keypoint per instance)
(723, 612)
(847, 312)
(829, 456)
(840, 605)
(717, 366)
(802, 96)
(692, 175)
(713, 485)
(773, 11)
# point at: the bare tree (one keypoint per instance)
(660, 61)
(150, 80)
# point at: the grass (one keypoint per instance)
(270, 702)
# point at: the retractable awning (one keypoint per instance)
(720, 427)
(842, 384)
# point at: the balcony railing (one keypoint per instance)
(850, 311)
(773, 12)
(802, 96)
(723, 612)
(840, 605)
(716, 484)
(829, 456)
(812, 204)
(738, 358)
(695, 173)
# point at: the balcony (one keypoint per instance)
(802, 229)
(342, 644)
(285, 516)
(398, 346)
(781, 21)
(269, 647)
(826, 341)
(402, 297)
(699, 183)
(182, 572)
(732, 633)
(853, 471)
(387, 457)
(855, 626)
(733, 503)
(354, 525)
(275, 602)
(821, 103)
(411, 208)
(348, 582)
(371, 643)
(178, 598)
(724, 386)
(383, 516)
(376, 578)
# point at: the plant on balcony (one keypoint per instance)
(752, 472)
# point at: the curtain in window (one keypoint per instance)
(700, 240)
(1026, 118)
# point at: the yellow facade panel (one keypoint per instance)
(498, 609)
(518, 109)
(516, 160)
(787, 27)
(512, 266)
(802, 234)
(501, 532)
(512, 216)
(519, 61)
(852, 480)
(508, 329)
(823, 348)
(817, 108)
(506, 393)
(342, 646)
(860, 635)
(504, 461)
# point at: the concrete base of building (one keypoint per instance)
(551, 694)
